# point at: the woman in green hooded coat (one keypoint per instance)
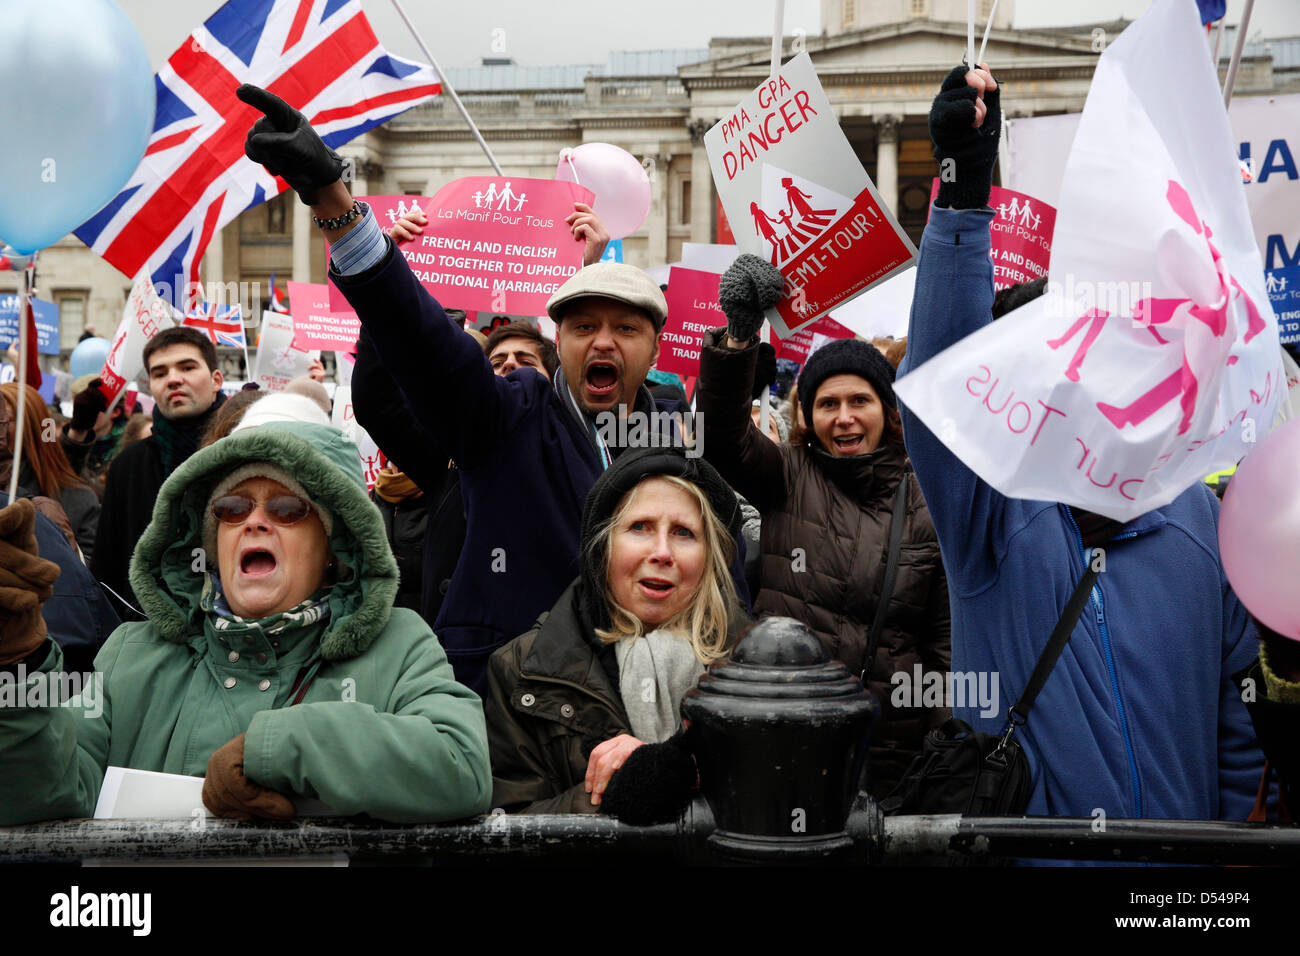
(273, 661)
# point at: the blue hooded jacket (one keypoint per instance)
(1140, 716)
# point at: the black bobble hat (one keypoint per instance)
(845, 357)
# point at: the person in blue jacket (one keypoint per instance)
(78, 615)
(1141, 716)
(528, 449)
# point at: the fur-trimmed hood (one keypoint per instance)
(167, 570)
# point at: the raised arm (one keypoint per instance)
(953, 299)
(747, 459)
(424, 352)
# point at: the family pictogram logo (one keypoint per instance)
(1021, 214)
(816, 207)
(503, 197)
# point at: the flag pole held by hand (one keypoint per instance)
(446, 87)
(24, 343)
(778, 29)
(1231, 81)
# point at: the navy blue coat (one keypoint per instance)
(526, 464)
(78, 615)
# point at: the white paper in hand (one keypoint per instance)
(146, 794)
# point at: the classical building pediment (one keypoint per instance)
(917, 47)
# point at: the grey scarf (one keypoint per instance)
(654, 673)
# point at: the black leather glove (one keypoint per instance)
(764, 369)
(86, 408)
(284, 142)
(965, 182)
(654, 784)
(748, 289)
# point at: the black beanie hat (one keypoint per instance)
(629, 470)
(845, 357)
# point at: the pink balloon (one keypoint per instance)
(1259, 531)
(621, 186)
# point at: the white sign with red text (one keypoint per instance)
(796, 194)
(1153, 358)
(145, 315)
(344, 419)
(279, 360)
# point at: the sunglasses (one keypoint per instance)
(282, 509)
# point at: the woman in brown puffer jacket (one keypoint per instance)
(827, 505)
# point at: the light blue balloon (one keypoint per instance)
(88, 357)
(79, 110)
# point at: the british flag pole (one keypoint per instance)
(447, 87)
(321, 56)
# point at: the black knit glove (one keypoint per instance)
(748, 289)
(86, 407)
(654, 784)
(764, 369)
(284, 142)
(965, 182)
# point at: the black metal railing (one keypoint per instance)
(875, 840)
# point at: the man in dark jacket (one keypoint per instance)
(382, 411)
(186, 387)
(517, 439)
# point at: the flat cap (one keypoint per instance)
(612, 280)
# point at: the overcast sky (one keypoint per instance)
(537, 32)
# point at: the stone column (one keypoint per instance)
(302, 229)
(657, 249)
(701, 185)
(887, 160)
(214, 259)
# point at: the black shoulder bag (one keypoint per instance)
(961, 771)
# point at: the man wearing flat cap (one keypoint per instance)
(528, 449)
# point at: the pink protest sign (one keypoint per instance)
(315, 326)
(796, 194)
(692, 310)
(1021, 234)
(797, 346)
(492, 244)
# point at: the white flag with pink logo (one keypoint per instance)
(1153, 358)
(145, 315)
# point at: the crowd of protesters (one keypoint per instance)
(480, 629)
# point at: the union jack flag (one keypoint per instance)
(320, 56)
(223, 323)
(278, 304)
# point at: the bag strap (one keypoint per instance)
(1055, 645)
(891, 572)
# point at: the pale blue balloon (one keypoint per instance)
(78, 113)
(88, 357)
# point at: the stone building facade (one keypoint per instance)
(879, 61)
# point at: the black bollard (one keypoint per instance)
(781, 733)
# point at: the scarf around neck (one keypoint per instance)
(654, 673)
(395, 486)
(315, 610)
(179, 438)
